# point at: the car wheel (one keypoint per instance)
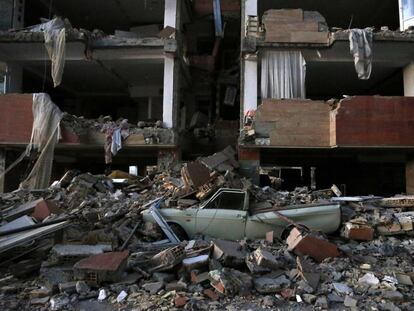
(179, 232)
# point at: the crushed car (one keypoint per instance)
(228, 214)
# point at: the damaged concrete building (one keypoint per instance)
(157, 64)
(328, 94)
(207, 69)
(206, 155)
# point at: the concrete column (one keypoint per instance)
(14, 78)
(409, 176)
(171, 68)
(409, 80)
(168, 94)
(2, 168)
(249, 160)
(18, 13)
(250, 9)
(249, 83)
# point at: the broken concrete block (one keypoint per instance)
(230, 281)
(163, 277)
(177, 286)
(197, 278)
(196, 262)
(322, 302)
(67, 287)
(350, 302)
(40, 292)
(392, 295)
(82, 288)
(406, 223)
(307, 271)
(229, 253)
(153, 287)
(122, 295)
(342, 289)
(404, 279)
(39, 301)
(369, 279)
(313, 246)
(71, 253)
(266, 285)
(103, 267)
(390, 229)
(358, 232)
(266, 259)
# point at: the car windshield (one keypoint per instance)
(227, 200)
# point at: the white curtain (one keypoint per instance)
(283, 74)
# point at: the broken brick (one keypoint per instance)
(313, 246)
(213, 295)
(358, 232)
(180, 301)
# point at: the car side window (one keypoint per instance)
(226, 200)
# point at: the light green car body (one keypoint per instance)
(226, 215)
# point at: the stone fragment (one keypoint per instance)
(153, 288)
(230, 281)
(322, 302)
(59, 303)
(350, 302)
(393, 295)
(177, 286)
(266, 285)
(67, 287)
(368, 279)
(229, 253)
(404, 279)
(102, 294)
(342, 289)
(309, 298)
(163, 277)
(82, 288)
(39, 301)
(266, 259)
(121, 296)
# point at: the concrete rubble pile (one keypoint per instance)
(152, 132)
(83, 244)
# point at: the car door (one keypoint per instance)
(223, 217)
